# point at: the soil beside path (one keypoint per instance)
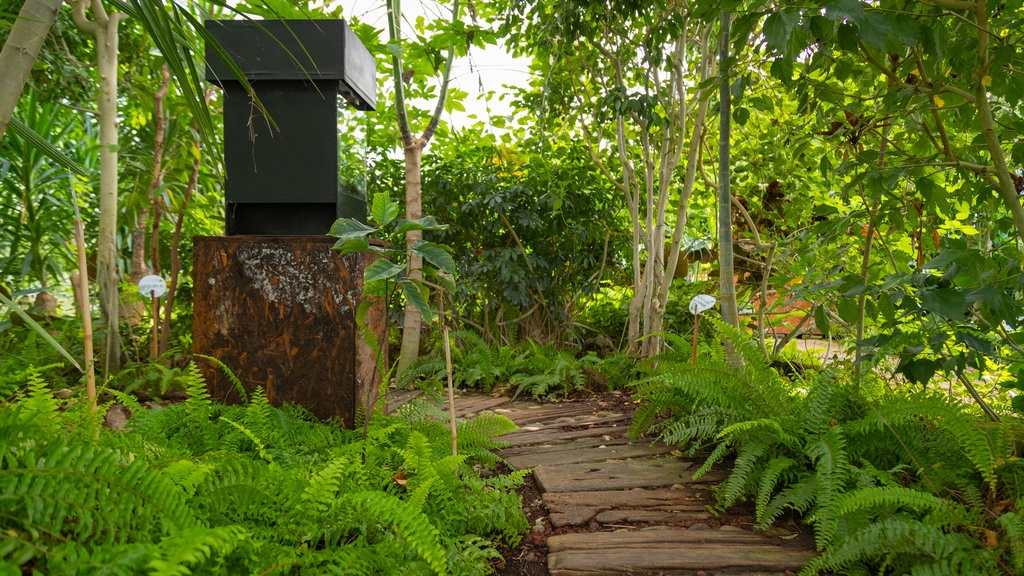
(602, 505)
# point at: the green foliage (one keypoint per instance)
(545, 371)
(203, 488)
(707, 397)
(890, 483)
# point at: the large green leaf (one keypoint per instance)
(412, 293)
(436, 255)
(425, 223)
(381, 269)
(946, 302)
(383, 210)
(975, 342)
(779, 26)
(349, 228)
(919, 370)
(352, 246)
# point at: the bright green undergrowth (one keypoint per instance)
(524, 369)
(204, 488)
(890, 481)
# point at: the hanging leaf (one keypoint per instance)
(919, 370)
(348, 228)
(975, 342)
(821, 320)
(848, 310)
(779, 26)
(425, 223)
(436, 255)
(412, 293)
(949, 303)
(352, 246)
(381, 269)
(383, 210)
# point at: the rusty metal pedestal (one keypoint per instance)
(280, 312)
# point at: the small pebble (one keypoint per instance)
(63, 394)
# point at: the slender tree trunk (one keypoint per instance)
(727, 273)
(412, 330)
(104, 28)
(20, 51)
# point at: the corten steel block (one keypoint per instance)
(280, 311)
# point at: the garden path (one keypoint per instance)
(620, 507)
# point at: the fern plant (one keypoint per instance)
(700, 400)
(891, 483)
(203, 488)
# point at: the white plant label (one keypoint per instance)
(701, 303)
(153, 286)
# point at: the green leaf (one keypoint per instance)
(821, 320)
(381, 269)
(349, 228)
(415, 297)
(946, 302)
(435, 254)
(1017, 402)
(782, 68)
(919, 370)
(975, 342)
(425, 223)
(740, 115)
(848, 310)
(383, 210)
(779, 26)
(352, 246)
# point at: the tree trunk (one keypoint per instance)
(20, 51)
(104, 29)
(726, 271)
(413, 210)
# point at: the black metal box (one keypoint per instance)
(282, 170)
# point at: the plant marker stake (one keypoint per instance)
(696, 330)
(700, 303)
(83, 304)
(448, 366)
(153, 287)
(154, 340)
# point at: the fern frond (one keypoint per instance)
(773, 474)
(831, 469)
(77, 491)
(188, 550)
(905, 542)
(1013, 526)
(890, 498)
(410, 524)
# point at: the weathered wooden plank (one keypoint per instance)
(723, 551)
(618, 475)
(578, 508)
(621, 516)
(472, 405)
(541, 413)
(580, 421)
(658, 537)
(576, 444)
(522, 438)
(574, 454)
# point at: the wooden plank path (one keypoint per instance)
(619, 507)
